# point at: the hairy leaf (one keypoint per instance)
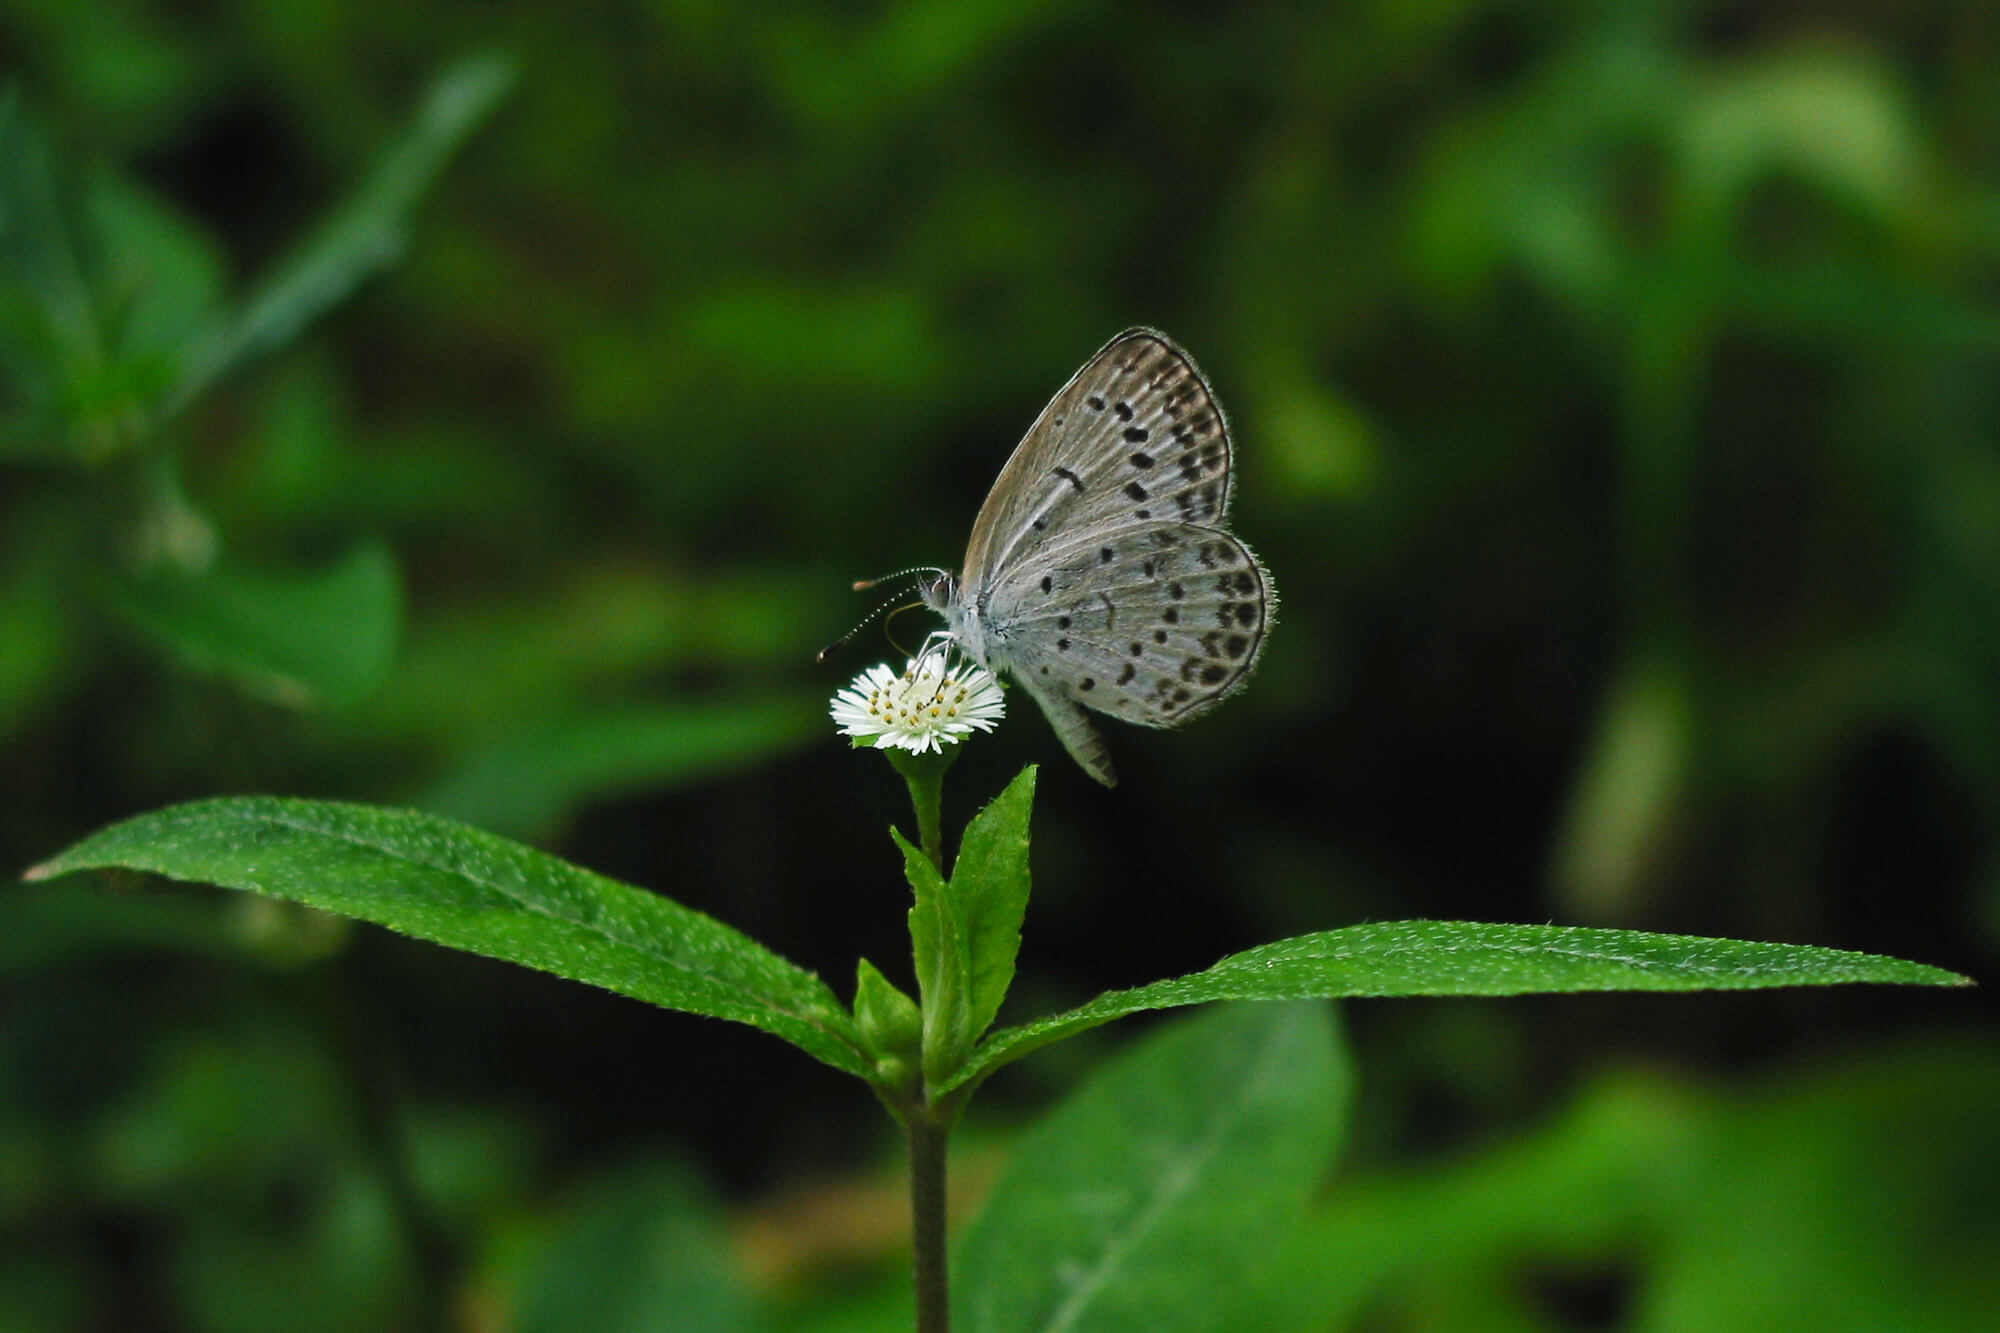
(455, 885)
(1467, 958)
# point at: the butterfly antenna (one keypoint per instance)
(896, 602)
(863, 585)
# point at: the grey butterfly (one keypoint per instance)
(1099, 574)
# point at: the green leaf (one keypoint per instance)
(989, 894)
(158, 279)
(368, 234)
(1823, 1195)
(528, 778)
(454, 885)
(943, 963)
(1466, 958)
(296, 638)
(50, 336)
(1154, 1197)
(643, 1249)
(889, 1020)
(60, 925)
(40, 634)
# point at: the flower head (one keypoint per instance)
(938, 699)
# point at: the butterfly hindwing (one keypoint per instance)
(1155, 623)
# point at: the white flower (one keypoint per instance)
(938, 699)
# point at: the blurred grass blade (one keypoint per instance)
(1156, 1196)
(1395, 958)
(1622, 812)
(458, 886)
(366, 235)
(297, 638)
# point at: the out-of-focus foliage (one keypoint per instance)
(1842, 1196)
(1615, 393)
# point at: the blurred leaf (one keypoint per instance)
(1528, 182)
(366, 235)
(1818, 111)
(222, 1111)
(245, 1137)
(533, 652)
(1153, 1199)
(1467, 958)
(131, 75)
(336, 1264)
(158, 281)
(1856, 1195)
(642, 1250)
(1866, 310)
(300, 639)
(528, 779)
(49, 331)
(65, 923)
(442, 881)
(469, 1163)
(42, 1289)
(1319, 443)
(37, 636)
(881, 1306)
(786, 338)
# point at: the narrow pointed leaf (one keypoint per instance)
(455, 885)
(1467, 958)
(937, 938)
(1155, 1197)
(989, 888)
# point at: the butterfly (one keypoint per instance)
(1100, 574)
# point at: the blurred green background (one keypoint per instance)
(1617, 392)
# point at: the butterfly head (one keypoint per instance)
(939, 589)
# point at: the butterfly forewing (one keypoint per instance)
(1135, 436)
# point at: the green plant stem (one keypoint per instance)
(927, 1140)
(927, 1131)
(925, 775)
